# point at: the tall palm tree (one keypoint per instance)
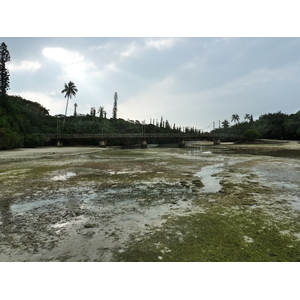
(235, 118)
(69, 90)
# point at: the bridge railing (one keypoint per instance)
(143, 135)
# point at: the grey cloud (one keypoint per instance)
(236, 75)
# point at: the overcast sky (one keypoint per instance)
(188, 81)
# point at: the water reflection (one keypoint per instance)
(24, 207)
(211, 183)
(199, 151)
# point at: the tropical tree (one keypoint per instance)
(70, 90)
(101, 112)
(251, 119)
(115, 109)
(75, 109)
(273, 125)
(251, 135)
(235, 118)
(161, 124)
(93, 111)
(167, 125)
(4, 74)
(247, 117)
(225, 124)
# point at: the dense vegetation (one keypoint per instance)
(24, 123)
(268, 126)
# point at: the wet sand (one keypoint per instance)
(90, 203)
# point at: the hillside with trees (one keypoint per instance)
(24, 123)
(268, 126)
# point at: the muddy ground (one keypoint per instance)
(96, 204)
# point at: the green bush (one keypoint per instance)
(251, 135)
(34, 140)
(10, 139)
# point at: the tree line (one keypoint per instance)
(24, 123)
(268, 126)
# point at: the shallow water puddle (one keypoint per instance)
(24, 207)
(63, 177)
(211, 183)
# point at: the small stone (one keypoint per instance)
(89, 225)
(248, 239)
(160, 257)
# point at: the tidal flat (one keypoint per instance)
(199, 203)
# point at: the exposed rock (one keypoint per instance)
(89, 225)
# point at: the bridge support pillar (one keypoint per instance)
(217, 142)
(102, 144)
(181, 143)
(144, 144)
(59, 144)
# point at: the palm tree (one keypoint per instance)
(69, 90)
(247, 117)
(235, 118)
(225, 124)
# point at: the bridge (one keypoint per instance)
(181, 136)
